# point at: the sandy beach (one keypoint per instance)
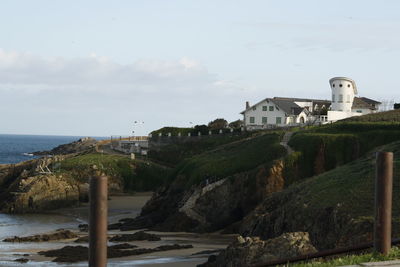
(124, 206)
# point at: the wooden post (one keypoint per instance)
(383, 202)
(98, 221)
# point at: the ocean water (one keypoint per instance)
(17, 148)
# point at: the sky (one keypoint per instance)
(101, 68)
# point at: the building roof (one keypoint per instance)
(288, 105)
(370, 101)
(363, 102)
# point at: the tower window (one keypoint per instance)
(333, 85)
(348, 98)
(333, 98)
(340, 98)
(340, 85)
(348, 85)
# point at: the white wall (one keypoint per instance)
(339, 115)
(363, 111)
(259, 113)
(344, 88)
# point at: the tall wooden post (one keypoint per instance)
(383, 202)
(98, 221)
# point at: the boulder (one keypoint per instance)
(254, 251)
(138, 236)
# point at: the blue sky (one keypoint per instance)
(95, 67)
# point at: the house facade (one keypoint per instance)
(285, 111)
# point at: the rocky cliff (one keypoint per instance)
(85, 144)
(39, 185)
(211, 206)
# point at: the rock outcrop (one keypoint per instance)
(254, 251)
(58, 235)
(81, 145)
(40, 193)
(81, 253)
(209, 206)
(138, 236)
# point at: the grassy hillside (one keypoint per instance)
(392, 116)
(336, 207)
(229, 159)
(174, 153)
(326, 147)
(135, 175)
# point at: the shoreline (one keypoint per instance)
(120, 207)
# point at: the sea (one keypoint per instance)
(16, 148)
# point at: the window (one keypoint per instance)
(333, 85)
(278, 120)
(359, 111)
(252, 120)
(340, 85)
(348, 98)
(265, 108)
(333, 98)
(264, 120)
(348, 85)
(254, 108)
(271, 108)
(340, 98)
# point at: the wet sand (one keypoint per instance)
(119, 207)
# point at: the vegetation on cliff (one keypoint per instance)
(174, 153)
(325, 147)
(229, 159)
(135, 175)
(335, 207)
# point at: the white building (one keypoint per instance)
(284, 111)
(344, 101)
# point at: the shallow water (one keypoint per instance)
(31, 224)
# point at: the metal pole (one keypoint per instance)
(383, 202)
(98, 221)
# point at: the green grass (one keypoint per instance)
(135, 175)
(392, 116)
(350, 259)
(326, 147)
(230, 159)
(336, 207)
(174, 153)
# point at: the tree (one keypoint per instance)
(203, 129)
(218, 124)
(236, 124)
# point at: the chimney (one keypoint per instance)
(247, 104)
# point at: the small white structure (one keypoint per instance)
(345, 103)
(285, 111)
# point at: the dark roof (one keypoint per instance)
(288, 105)
(370, 101)
(303, 99)
(363, 102)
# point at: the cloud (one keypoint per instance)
(97, 95)
(23, 68)
(345, 34)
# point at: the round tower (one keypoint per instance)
(343, 92)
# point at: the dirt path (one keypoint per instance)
(285, 141)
